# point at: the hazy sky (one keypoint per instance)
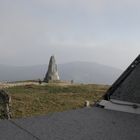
(103, 31)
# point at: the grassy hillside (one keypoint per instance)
(31, 100)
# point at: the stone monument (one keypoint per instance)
(52, 73)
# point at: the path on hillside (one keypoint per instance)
(8, 85)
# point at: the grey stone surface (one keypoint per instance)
(52, 73)
(83, 124)
(8, 131)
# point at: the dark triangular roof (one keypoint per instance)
(127, 87)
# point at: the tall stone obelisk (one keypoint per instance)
(52, 73)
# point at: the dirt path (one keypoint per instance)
(7, 85)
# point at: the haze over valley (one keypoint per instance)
(80, 72)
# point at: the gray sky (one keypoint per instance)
(103, 31)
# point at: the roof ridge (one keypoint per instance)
(122, 78)
(25, 130)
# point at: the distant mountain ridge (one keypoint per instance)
(79, 72)
(89, 72)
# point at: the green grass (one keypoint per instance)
(34, 100)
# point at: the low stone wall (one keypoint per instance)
(5, 105)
